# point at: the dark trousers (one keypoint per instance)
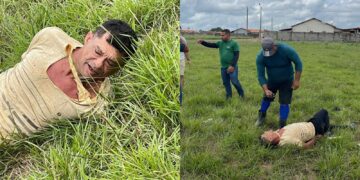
(233, 77)
(321, 122)
(285, 92)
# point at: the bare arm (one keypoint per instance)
(267, 92)
(309, 144)
(187, 56)
(296, 82)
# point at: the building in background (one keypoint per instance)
(313, 25)
(188, 31)
(239, 31)
(353, 30)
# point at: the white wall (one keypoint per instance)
(307, 36)
(313, 26)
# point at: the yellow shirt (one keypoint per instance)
(297, 133)
(29, 100)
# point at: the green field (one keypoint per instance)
(219, 139)
(139, 136)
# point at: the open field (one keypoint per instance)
(139, 136)
(219, 139)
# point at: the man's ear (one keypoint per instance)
(88, 37)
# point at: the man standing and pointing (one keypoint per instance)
(229, 55)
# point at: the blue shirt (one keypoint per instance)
(278, 67)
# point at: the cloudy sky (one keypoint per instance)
(231, 14)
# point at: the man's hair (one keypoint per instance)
(122, 36)
(226, 31)
(267, 143)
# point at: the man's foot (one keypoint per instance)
(352, 126)
(228, 98)
(261, 119)
(282, 124)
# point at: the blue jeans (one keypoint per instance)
(233, 77)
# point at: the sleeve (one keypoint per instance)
(40, 37)
(182, 47)
(298, 143)
(34, 41)
(236, 50)
(183, 40)
(294, 57)
(236, 47)
(235, 58)
(260, 66)
(210, 45)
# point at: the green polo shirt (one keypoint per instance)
(226, 50)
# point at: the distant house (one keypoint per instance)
(352, 30)
(313, 25)
(239, 31)
(216, 33)
(188, 31)
(255, 32)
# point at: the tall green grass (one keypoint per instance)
(139, 135)
(220, 141)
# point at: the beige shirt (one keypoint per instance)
(297, 133)
(29, 100)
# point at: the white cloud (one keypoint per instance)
(310, 2)
(206, 14)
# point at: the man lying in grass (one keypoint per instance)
(58, 77)
(302, 134)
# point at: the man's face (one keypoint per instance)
(224, 36)
(269, 136)
(98, 59)
(268, 53)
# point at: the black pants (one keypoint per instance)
(320, 121)
(285, 92)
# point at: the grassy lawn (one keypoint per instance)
(139, 136)
(219, 139)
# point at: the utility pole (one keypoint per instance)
(272, 27)
(247, 18)
(260, 20)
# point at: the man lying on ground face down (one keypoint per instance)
(302, 134)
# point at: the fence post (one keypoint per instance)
(318, 38)
(304, 36)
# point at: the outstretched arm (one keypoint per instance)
(207, 44)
